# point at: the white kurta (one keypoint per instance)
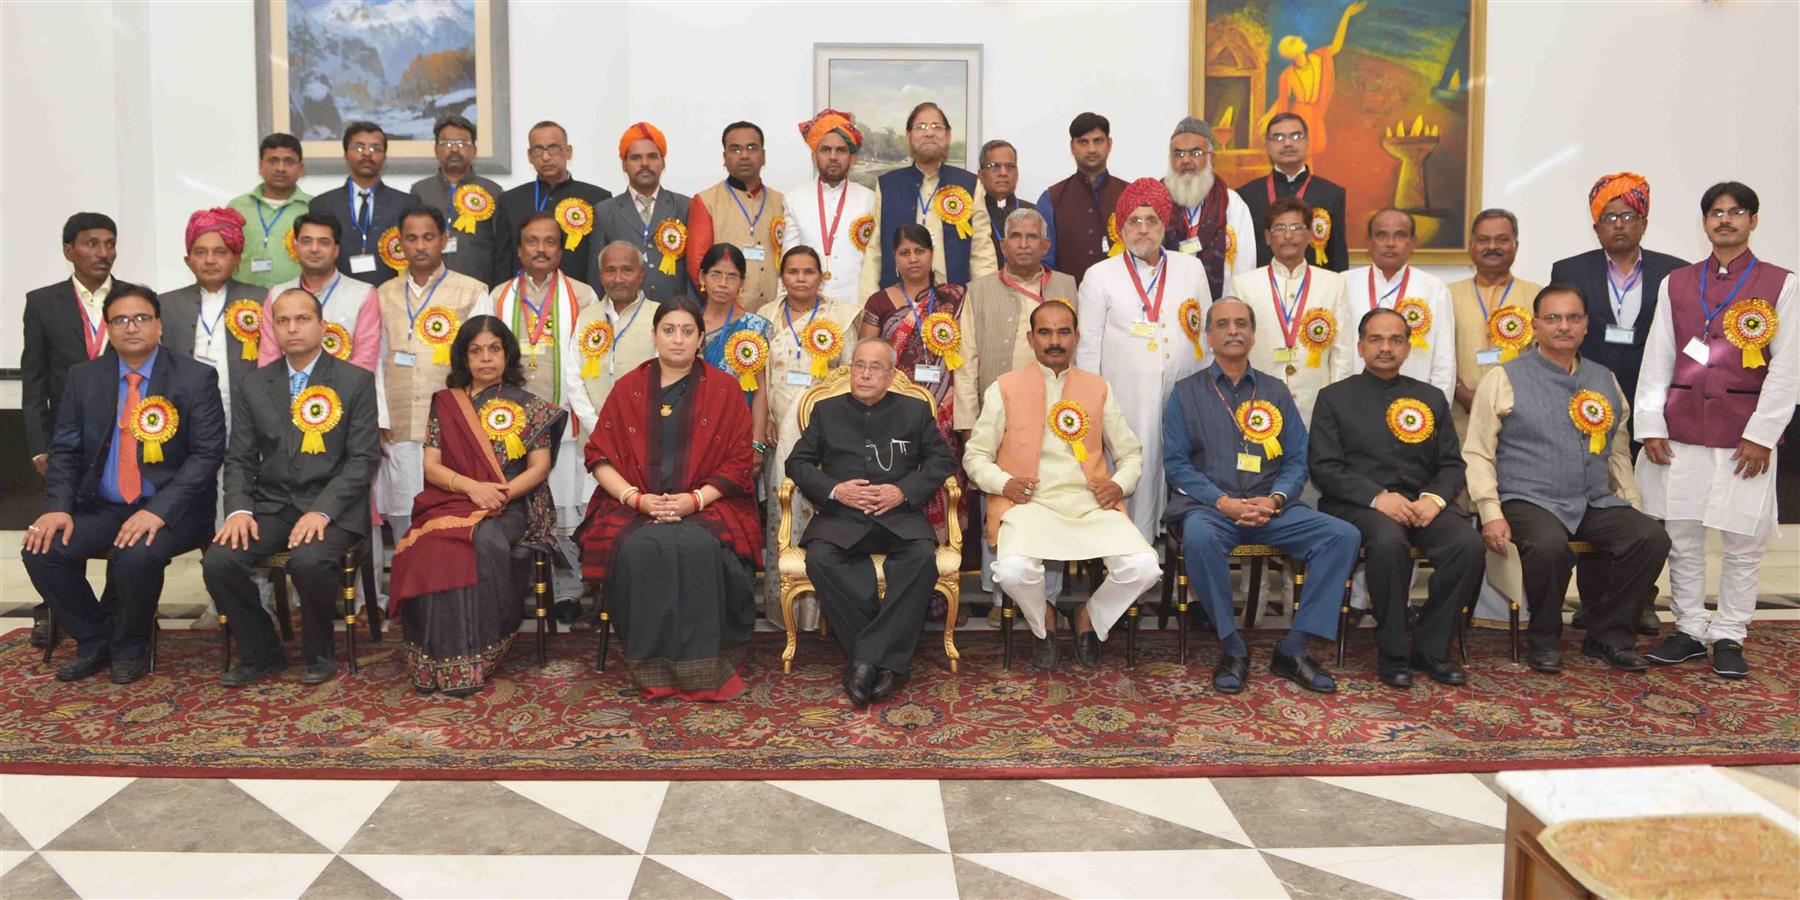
(1141, 362)
(1271, 354)
(800, 225)
(1435, 365)
(631, 346)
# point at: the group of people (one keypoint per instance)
(615, 381)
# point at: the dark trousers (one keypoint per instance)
(882, 633)
(120, 626)
(1636, 547)
(316, 569)
(1458, 560)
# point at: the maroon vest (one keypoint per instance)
(1081, 222)
(1710, 404)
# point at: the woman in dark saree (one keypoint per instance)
(672, 528)
(457, 586)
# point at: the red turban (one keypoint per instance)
(828, 120)
(1627, 186)
(1145, 192)
(227, 222)
(642, 131)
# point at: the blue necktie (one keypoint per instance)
(296, 384)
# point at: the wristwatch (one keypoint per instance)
(1280, 501)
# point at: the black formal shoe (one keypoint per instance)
(1676, 648)
(859, 683)
(886, 683)
(1547, 661)
(40, 626)
(244, 674)
(462, 692)
(1044, 651)
(82, 667)
(1393, 672)
(1648, 624)
(1728, 659)
(1440, 671)
(1087, 649)
(1302, 670)
(126, 671)
(1231, 667)
(320, 671)
(1579, 619)
(1622, 658)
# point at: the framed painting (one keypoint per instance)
(1392, 94)
(402, 64)
(878, 84)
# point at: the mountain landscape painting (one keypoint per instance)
(402, 64)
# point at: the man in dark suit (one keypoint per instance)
(366, 205)
(303, 451)
(1286, 142)
(549, 151)
(635, 215)
(133, 470)
(474, 243)
(869, 461)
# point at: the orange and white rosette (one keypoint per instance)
(943, 337)
(1509, 329)
(316, 411)
(336, 341)
(746, 353)
(473, 204)
(1418, 319)
(1193, 324)
(1750, 326)
(1593, 416)
(392, 250)
(1069, 422)
(1114, 246)
(671, 240)
(1410, 420)
(775, 229)
(955, 206)
(504, 422)
(824, 341)
(1321, 230)
(576, 216)
(437, 326)
(1230, 246)
(152, 423)
(287, 242)
(1318, 328)
(244, 320)
(1261, 423)
(593, 342)
(862, 231)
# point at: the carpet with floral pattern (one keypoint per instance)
(1159, 719)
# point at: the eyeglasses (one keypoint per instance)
(138, 319)
(862, 368)
(538, 150)
(1143, 222)
(1000, 167)
(930, 126)
(1288, 227)
(457, 145)
(743, 149)
(1736, 212)
(1190, 154)
(1559, 318)
(1295, 137)
(1624, 218)
(368, 149)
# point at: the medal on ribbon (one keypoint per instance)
(1114, 246)
(1410, 420)
(824, 342)
(746, 353)
(1418, 319)
(473, 204)
(1317, 330)
(288, 242)
(244, 320)
(1193, 323)
(943, 337)
(1070, 422)
(1261, 423)
(954, 205)
(1593, 416)
(775, 229)
(1321, 230)
(437, 326)
(392, 250)
(316, 411)
(862, 231)
(153, 422)
(594, 341)
(504, 422)
(1750, 326)
(576, 216)
(1509, 329)
(336, 341)
(671, 239)
(1230, 246)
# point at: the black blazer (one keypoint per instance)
(834, 448)
(1588, 272)
(519, 203)
(186, 481)
(181, 315)
(53, 344)
(389, 204)
(1320, 194)
(1352, 455)
(476, 254)
(265, 471)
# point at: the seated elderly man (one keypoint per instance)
(1235, 452)
(869, 461)
(1042, 459)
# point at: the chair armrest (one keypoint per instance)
(952, 502)
(784, 536)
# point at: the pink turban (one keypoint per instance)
(1627, 186)
(1145, 192)
(642, 131)
(227, 222)
(828, 120)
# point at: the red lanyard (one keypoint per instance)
(1230, 412)
(541, 314)
(94, 336)
(1399, 292)
(835, 219)
(1290, 322)
(1299, 194)
(1150, 312)
(1037, 295)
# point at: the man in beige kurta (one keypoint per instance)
(995, 312)
(588, 378)
(1493, 243)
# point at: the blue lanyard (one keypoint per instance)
(1637, 272)
(1503, 295)
(1712, 312)
(330, 290)
(268, 225)
(924, 206)
(612, 349)
(1402, 283)
(363, 222)
(224, 302)
(787, 312)
(931, 301)
(746, 211)
(413, 317)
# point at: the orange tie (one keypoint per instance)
(130, 482)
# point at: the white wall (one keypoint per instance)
(147, 111)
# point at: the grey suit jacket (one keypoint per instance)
(617, 220)
(265, 469)
(181, 316)
(475, 254)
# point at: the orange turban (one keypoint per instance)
(827, 121)
(1627, 186)
(643, 131)
(227, 222)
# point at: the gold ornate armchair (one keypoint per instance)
(792, 559)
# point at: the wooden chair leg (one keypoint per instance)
(224, 643)
(1343, 636)
(284, 616)
(540, 590)
(155, 638)
(1512, 629)
(1253, 596)
(1168, 583)
(350, 564)
(1131, 624)
(951, 588)
(605, 627)
(371, 568)
(1181, 613)
(50, 635)
(1006, 625)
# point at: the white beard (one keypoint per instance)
(1189, 190)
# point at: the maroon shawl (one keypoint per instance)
(714, 449)
(1211, 232)
(435, 554)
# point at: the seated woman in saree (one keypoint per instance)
(672, 529)
(457, 587)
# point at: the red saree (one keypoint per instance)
(434, 554)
